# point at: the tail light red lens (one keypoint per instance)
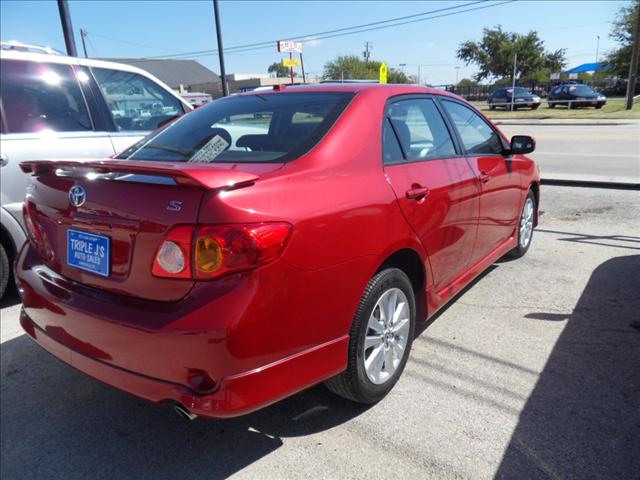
(208, 252)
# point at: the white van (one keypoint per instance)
(58, 107)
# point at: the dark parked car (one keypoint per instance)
(576, 95)
(521, 98)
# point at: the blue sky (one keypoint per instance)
(145, 28)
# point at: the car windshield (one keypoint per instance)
(580, 90)
(518, 91)
(270, 127)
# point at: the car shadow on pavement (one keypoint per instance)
(617, 241)
(58, 423)
(582, 420)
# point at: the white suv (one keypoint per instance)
(58, 107)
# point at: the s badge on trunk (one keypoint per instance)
(77, 196)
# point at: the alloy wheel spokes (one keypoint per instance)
(387, 336)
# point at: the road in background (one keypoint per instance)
(531, 373)
(589, 150)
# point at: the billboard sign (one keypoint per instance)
(291, 62)
(287, 46)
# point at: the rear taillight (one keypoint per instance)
(173, 258)
(212, 251)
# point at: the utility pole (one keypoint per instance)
(597, 51)
(216, 13)
(513, 81)
(457, 67)
(304, 78)
(633, 66)
(83, 34)
(367, 53)
(67, 28)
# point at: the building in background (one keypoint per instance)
(197, 84)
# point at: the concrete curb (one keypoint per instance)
(564, 123)
(591, 184)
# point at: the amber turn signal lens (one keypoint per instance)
(208, 255)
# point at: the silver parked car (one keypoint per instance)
(58, 107)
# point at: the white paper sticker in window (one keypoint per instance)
(210, 151)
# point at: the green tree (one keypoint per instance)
(350, 67)
(494, 55)
(622, 32)
(467, 82)
(279, 69)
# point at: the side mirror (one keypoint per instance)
(522, 144)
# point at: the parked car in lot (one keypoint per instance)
(575, 95)
(221, 267)
(55, 106)
(522, 98)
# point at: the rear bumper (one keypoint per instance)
(228, 348)
(236, 395)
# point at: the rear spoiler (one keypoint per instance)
(188, 174)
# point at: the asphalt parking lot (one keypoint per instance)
(533, 372)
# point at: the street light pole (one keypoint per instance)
(216, 13)
(457, 67)
(83, 34)
(67, 28)
(597, 51)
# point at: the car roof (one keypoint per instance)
(390, 89)
(87, 62)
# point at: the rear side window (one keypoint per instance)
(272, 127)
(420, 130)
(135, 102)
(476, 135)
(38, 96)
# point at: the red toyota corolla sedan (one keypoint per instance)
(270, 241)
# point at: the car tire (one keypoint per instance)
(492, 107)
(363, 381)
(598, 107)
(525, 226)
(552, 105)
(535, 107)
(5, 270)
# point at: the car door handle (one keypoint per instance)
(3, 160)
(484, 177)
(416, 192)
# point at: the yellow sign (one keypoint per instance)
(291, 62)
(383, 73)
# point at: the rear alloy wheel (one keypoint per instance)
(525, 226)
(380, 339)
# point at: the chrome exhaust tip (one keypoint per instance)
(184, 413)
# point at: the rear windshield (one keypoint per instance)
(581, 90)
(270, 127)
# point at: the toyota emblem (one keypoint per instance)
(77, 196)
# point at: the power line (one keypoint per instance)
(128, 42)
(379, 25)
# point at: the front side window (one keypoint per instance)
(476, 135)
(136, 102)
(271, 127)
(583, 90)
(420, 129)
(41, 97)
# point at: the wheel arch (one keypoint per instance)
(411, 263)
(535, 188)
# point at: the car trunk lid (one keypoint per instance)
(129, 207)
